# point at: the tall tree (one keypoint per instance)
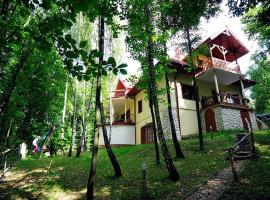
(143, 48)
(256, 23)
(74, 119)
(64, 111)
(183, 16)
(102, 68)
(164, 32)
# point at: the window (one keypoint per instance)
(140, 106)
(188, 92)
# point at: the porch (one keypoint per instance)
(226, 99)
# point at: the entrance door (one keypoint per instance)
(245, 115)
(210, 120)
(147, 134)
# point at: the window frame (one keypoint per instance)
(140, 106)
(189, 95)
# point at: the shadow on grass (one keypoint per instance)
(68, 176)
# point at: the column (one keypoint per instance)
(216, 85)
(242, 91)
(125, 109)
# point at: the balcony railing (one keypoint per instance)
(233, 99)
(222, 64)
(120, 119)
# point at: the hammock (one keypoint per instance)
(42, 140)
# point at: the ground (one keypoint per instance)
(255, 180)
(67, 178)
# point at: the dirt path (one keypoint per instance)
(215, 186)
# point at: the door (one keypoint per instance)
(210, 120)
(245, 115)
(147, 134)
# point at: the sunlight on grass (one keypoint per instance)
(67, 178)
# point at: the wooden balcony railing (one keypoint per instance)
(233, 99)
(120, 119)
(222, 64)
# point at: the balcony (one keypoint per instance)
(120, 119)
(233, 100)
(220, 64)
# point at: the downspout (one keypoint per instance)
(134, 99)
(177, 103)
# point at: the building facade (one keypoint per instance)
(221, 88)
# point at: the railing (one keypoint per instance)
(120, 119)
(231, 150)
(222, 64)
(235, 99)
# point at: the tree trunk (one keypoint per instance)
(155, 131)
(74, 121)
(196, 94)
(178, 150)
(100, 118)
(64, 112)
(173, 174)
(115, 164)
(6, 96)
(82, 140)
(5, 99)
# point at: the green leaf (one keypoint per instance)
(83, 44)
(123, 71)
(68, 37)
(115, 71)
(96, 53)
(111, 61)
(124, 65)
(79, 77)
(104, 73)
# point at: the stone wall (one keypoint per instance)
(218, 118)
(253, 120)
(166, 125)
(231, 118)
(228, 118)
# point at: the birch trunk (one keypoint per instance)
(64, 112)
(74, 121)
(100, 118)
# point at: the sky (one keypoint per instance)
(214, 25)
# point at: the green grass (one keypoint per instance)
(255, 180)
(67, 178)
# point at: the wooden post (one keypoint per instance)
(144, 186)
(251, 136)
(211, 132)
(216, 85)
(232, 165)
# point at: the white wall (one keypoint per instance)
(121, 134)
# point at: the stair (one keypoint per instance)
(243, 150)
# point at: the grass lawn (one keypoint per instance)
(67, 178)
(255, 180)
